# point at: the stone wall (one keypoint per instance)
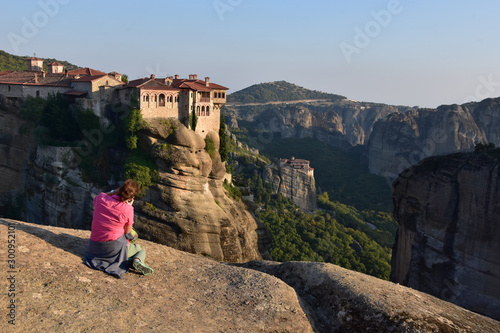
(11, 90)
(42, 91)
(209, 123)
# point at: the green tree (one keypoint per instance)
(133, 123)
(193, 120)
(223, 148)
(210, 146)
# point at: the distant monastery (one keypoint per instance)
(92, 89)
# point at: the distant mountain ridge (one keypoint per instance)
(10, 62)
(278, 91)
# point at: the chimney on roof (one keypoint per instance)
(190, 76)
(177, 76)
(207, 81)
(66, 73)
(195, 77)
(152, 76)
(43, 73)
(36, 77)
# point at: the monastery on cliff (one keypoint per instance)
(92, 89)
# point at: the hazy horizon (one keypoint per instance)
(399, 52)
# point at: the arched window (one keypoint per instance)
(208, 111)
(38, 93)
(198, 111)
(162, 100)
(176, 99)
(203, 111)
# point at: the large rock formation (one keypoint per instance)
(297, 184)
(189, 293)
(401, 140)
(394, 137)
(188, 208)
(448, 241)
(15, 150)
(342, 123)
(55, 192)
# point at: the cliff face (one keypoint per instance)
(15, 150)
(297, 185)
(55, 193)
(448, 238)
(342, 124)
(188, 293)
(188, 209)
(395, 137)
(401, 140)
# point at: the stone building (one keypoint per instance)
(174, 97)
(92, 89)
(89, 88)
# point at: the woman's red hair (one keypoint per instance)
(128, 190)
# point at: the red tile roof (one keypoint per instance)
(85, 71)
(28, 78)
(95, 77)
(197, 85)
(150, 84)
(88, 78)
(136, 83)
(6, 72)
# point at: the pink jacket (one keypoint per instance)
(110, 217)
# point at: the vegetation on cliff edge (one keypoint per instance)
(10, 62)
(277, 91)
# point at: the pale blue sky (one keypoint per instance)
(406, 52)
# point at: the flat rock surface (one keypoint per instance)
(56, 292)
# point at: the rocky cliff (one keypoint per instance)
(53, 291)
(341, 123)
(393, 137)
(401, 140)
(448, 238)
(297, 185)
(15, 150)
(188, 208)
(55, 193)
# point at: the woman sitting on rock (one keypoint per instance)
(109, 248)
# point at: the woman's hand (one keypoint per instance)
(130, 201)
